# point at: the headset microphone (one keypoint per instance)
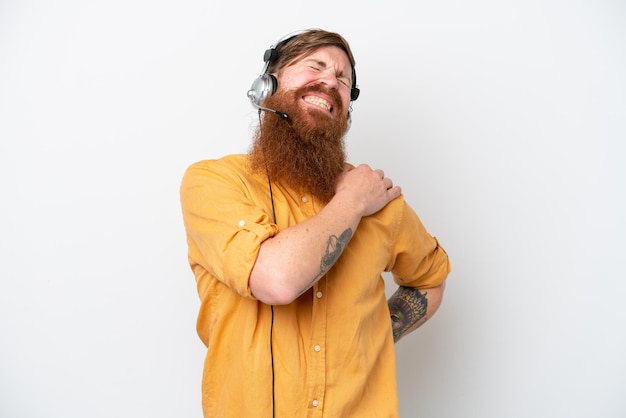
(254, 103)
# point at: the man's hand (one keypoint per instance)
(368, 188)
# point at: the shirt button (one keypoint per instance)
(315, 402)
(305, 199)
(319, 295)
(241, 223)
(317, 348)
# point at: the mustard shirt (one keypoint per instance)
(332, 350)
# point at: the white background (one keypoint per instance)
(504, 121)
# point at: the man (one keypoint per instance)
(288, 244)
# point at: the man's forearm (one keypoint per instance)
(289, 263)
(293, 260)
(410, 308)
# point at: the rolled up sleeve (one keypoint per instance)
(224, 226)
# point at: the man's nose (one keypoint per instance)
(329, 78)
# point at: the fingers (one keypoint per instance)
(369, 187)
(386, 180)
(379, 176)
(393, 191)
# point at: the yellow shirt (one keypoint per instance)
(331, 353)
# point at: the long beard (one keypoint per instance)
(306, 151)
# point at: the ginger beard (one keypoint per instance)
(306, 151)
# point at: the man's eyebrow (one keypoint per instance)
(323, 64)
(317, 61)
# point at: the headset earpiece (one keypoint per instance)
(264, 85)
(355, 91)
(262, 88)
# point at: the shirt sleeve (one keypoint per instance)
(419, 260)
(224, 226)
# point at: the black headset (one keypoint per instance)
(266, 84)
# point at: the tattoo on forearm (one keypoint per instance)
(407, 307)
(334, 247)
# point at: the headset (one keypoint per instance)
(266, 84)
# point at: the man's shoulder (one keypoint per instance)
(231, 160)
(232, 163)
(233, 168)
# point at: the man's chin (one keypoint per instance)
(317, 120)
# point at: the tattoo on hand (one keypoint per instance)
(407, 307)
